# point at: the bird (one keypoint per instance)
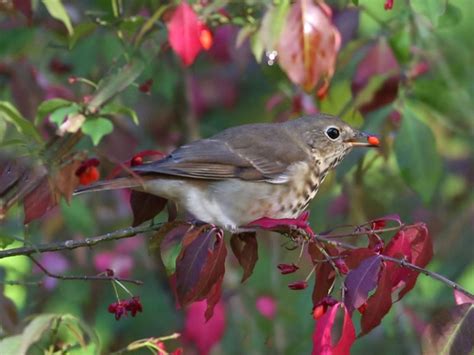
(248, 172)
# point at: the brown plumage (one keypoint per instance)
(247, 172)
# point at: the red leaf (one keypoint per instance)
(38, 202)
(65, 181)
(322, 336)
(284, 224)
(354, 257)
(200, 265)
(360, 281)
(204, 334)
(414, 245)
(324, 273)
(308, 44)
(184, 33)
(24, 6)
(145, 206)
(379, 60)
(245, 248)
(379, 303)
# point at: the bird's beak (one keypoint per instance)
(362, 139)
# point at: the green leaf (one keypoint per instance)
(80, 331)
(56, 9)
(35, 330)
(48, 106)
(3, 130)
(113, 84)
(11, 345)
(451, 17)
(96, 128)
(431, 9)
(415, 151)
(400, 43)
(60, 114)
(339, 96)
(10, 114)
(120, 109)
(5, 241)
(81, 30)
(355, 2)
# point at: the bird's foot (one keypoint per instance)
(284, 225)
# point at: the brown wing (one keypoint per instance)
(261, 152)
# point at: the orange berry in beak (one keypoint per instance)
(373, 140)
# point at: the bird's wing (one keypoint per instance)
(257, 153)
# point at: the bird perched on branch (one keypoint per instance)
(249, 172)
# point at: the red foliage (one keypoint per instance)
(378, 61)
(414, 245)
(146, 86)
(245, 248)
(324, 273)
(145, 206)
(308, 45)
(322, 336)
(287, 268)
(200, 267)
(388, 4)
(298, 285)
(202, 332)
(187, 34)
(122, 307)
(284, 224)
(24, 6)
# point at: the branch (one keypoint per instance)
(73, 244)
(403, 263)
(84, 277)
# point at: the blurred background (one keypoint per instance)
(405, 74)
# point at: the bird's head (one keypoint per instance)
(330, 138)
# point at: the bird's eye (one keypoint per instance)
(333, 133)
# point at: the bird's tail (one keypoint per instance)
(119, 183)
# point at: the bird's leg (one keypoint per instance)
(284, 225)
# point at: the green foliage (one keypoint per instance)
(417, 156)
(96, 128)
(57, 10)
(10, 114)
(44, 329)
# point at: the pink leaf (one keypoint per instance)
(204, 334)
(266, 306)
(379, 61)
(360, 281)
(309, 44)
(283, 224)
(461, 298)
(185, 33)
(322, 336)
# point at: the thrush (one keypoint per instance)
(249, 172)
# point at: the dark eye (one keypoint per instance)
(332, 132)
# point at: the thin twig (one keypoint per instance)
(403, 263)
(21, 283)
(366, 231)
(83, 277)
(73, 244)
